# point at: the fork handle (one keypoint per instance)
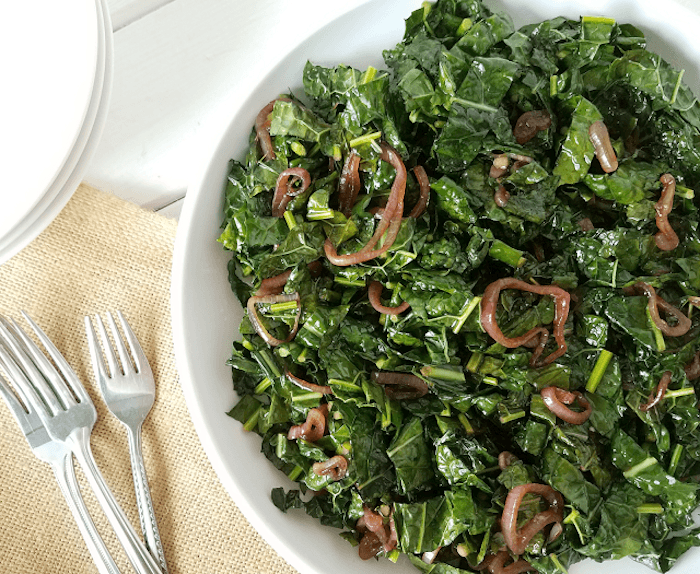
(68, 483)
(136, 551)
(144, 502)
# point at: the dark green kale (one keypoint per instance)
(436, 466)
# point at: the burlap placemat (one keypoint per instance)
(103, 254)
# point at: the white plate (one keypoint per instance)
(205, 313)
(75, 165)
(50, 53)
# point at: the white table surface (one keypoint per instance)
(180, 67)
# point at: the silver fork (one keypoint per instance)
(128, 389)
(56, 454)
(68, 415)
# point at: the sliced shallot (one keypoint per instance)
(335, 467)
(661, 389)
(489, 304)
(424, 185)
(501, 196)
(655, 302)
(262, 129)
(270, 300)
(666, 239)
(285, 189)
(517, 539)
(529, 124)
(496, 564)
(349, 184)
(692, 369)
(374, 293)
(600, 138)
(390, 221)
(400, 386)
(313, 428)
(314, 388)
(557, 399)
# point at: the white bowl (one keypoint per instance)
(205, 313)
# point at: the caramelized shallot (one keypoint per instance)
(518, 539)
(489, 303)
(390, 221)
(314, 388)
(655, 302)
(400, 386)
(529, 124)
(378, 534)
(661, 389)
(495, 564)
(600, 138)
(285, 189)
(501, 196)
(270, 300)
(336, 467)
(692, 369)
(349, 184)
(313, 428)
(557, 399)
(262, 129)
(374, 293)
(499, 167)
(666, 238)
(424, 185)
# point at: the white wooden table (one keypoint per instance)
(180, 66)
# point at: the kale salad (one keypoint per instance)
(471, 281)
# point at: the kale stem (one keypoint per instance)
(465, 423)
(289, 219)
(507, 254)
(252, 421)
(365, 138)
(443, 373)
(558, 564)
(283, 307)
(467, 310)
(510, 417)
(295, 472)
(262, 386)
(369, 75)
(349, 282)
(599, 369)
(650, 508)
(675, 459)
(658, 335)
(474, 362)
(637, 468)
(679, 393)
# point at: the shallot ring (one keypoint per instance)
(262, 129)
(600, 138)
(336, 467)
(314, 388)
(269, 300)
(501, 196)
(400, 386)
(666, 239)
(390, 222)
(285, 190)
(374, 293)
(517, 540)
(556, 399)
(313, 428)
(424, 184)
(489, 303)
(655, 301)
(692, 369)
(661, 389)
(529, 124)
(495, 564)
(349, 184)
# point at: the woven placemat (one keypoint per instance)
(100, 254)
